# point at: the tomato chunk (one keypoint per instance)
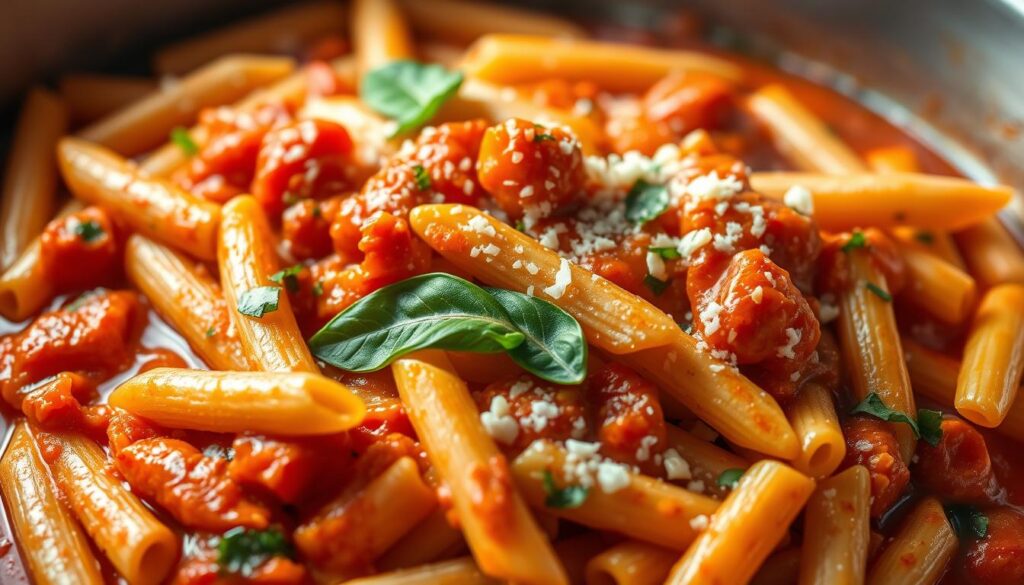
(630, 422)
(871, 444)
(80, 250)
(522, 409)
(999, 556)
(959, 467)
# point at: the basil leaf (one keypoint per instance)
(857, 240)
(925, 237)
(879, 291)
(241, 550)
(408, 92)
(289, 277)
(433, 310)
(967, 521)
(258, 301)
(422, 178)
(183, 140)
(927, 427)
(89, 231)
(666, 252)
(730, 477)
(646, 201)
(930, 424)
(554, 348)
(656, 285)
(571, 496)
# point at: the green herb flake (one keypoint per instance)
(259, 301)
(408, 92)
(926, 238)
(666, 252)
(655, 284)
(210, 332)
(422, 178)
(83, 299)
(183, 140)
(289, 277)
(241, 551)
(928, 426)
(566, 498)
(89, 231)
(542, 136)
(318, 288)
(856, 241)
(520, 225)
(879, 291)
(646, 201)
(968, 522)
(730, 477)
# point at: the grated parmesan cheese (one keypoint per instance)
(562, 280)
(499, 423)
(799, 199)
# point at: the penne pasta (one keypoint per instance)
(799, 135)
(631, 563)
(56, 551)
(147, 123)
(279, 403)
(504, 538)
(30, 185)
(432, 539)
(644, 508)
(286, 31)
(884, 201)
(706, 460)
(153, 207)
(747, 526)
(507, 59)
(992, 255)
(892, 159)
(814, 420)
(90, 96)
(870, 345)
(836, 530)
(247, 260)
(612, 319)
(940, 244)
(476, 19)
(141, 548)
(993, 357)
(380, 34)
(920, 551)
(782, 568)
(462, 571)
(938, 287)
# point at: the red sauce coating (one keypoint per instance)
(628, 418)
(80, 250)
(870, 443)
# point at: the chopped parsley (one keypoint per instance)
(646, 201)
(656, 285)
(82, 299)
(289, 277)
(258, 301)
(666, 252)
(730, 477)
(318, 288)
(568, 497)
(183, 140)
(210, 332)
(879, 291)
(542, 136)
(924, 237)
(857, 240)
(422, 177)
(241, 550)
(967, 521)
(89, 231)
(927, 427)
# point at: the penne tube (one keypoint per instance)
(476, 19)
(645, 508)
(993, 357)
(892, 159)
(247, 260)
(147, 123)
(937, 286)
(503, 536)
(843, 202)
(90, 96)
(870, 345)
(814, 420)
(25, 287)
(276, 403)
(920, 551)
(631, 563)
(836, 529)
(462, 571)
(429, 541)
(285, 31)
(141, 548)
(707, 461)
(612, 319)
(380, 34)
(800, 135)
(186, 296)
(940, 244)
(748, 525)
(507, 59)
(368, 127)
(992, 255)
(54, 549)
(30, 178)
(153, 207)
(782, 568)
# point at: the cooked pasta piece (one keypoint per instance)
(631, 563)
(92, 96)
(993, 357)
(155, 208)
(281, 31)
(920, 551)
(992, 255)
(937, 286)
(146, 123)
(278, 403)
(892, 159)
(476, 19)
(747, 526)
(500, 530)
(640, 507)
(56, 551)
(380, 34)
(940, 244)
(884, 201)
(782, 568)
(870, 345)
(836, 529)
(510, 59)
(799, 135)
(816, 425)
(247, 260)
(30, 181)
(432, 539)
(141, 548)
(705, 460)
(462, 571)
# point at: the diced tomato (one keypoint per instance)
(290, 469)
(126, 428)
(959, 467)
(870, 443)
(630, 422)
(306, 228)
(80, 250)
(684, 102)
(521, 409)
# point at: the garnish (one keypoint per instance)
(924, 237)
(89, 230)
(183, 140)
(857, 240)
(565, 498)
(879, 291)
(408, 92)
(730, 477)
(318, 289)
(210, 332)
(289, 277)
(258, 301)
(241, 550)
(968, 522)
(927, 427)
(666, 252)
(422, 178)
(656, 285)
(541, 136)
(646, 201)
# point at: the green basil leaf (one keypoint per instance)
(730, 477)
(568, 497)
(408, 92)
(857, 240)
(89, 231)
(656, 285)
(554, 349)
(183, 140)
(646, 201)
(241, 550)
(879, 291)
(666, 252)
(930, 424)
(967, 521)
(258, 301)
(289, 277)
(430, 311)
(872, 405)
(422, 178)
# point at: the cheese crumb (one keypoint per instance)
(792, 338)
(675, 466)
(800, 199)
(562, 280)
(612, 476)
(499, 423)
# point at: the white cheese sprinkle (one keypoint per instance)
(562, 280)
(800, 199)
